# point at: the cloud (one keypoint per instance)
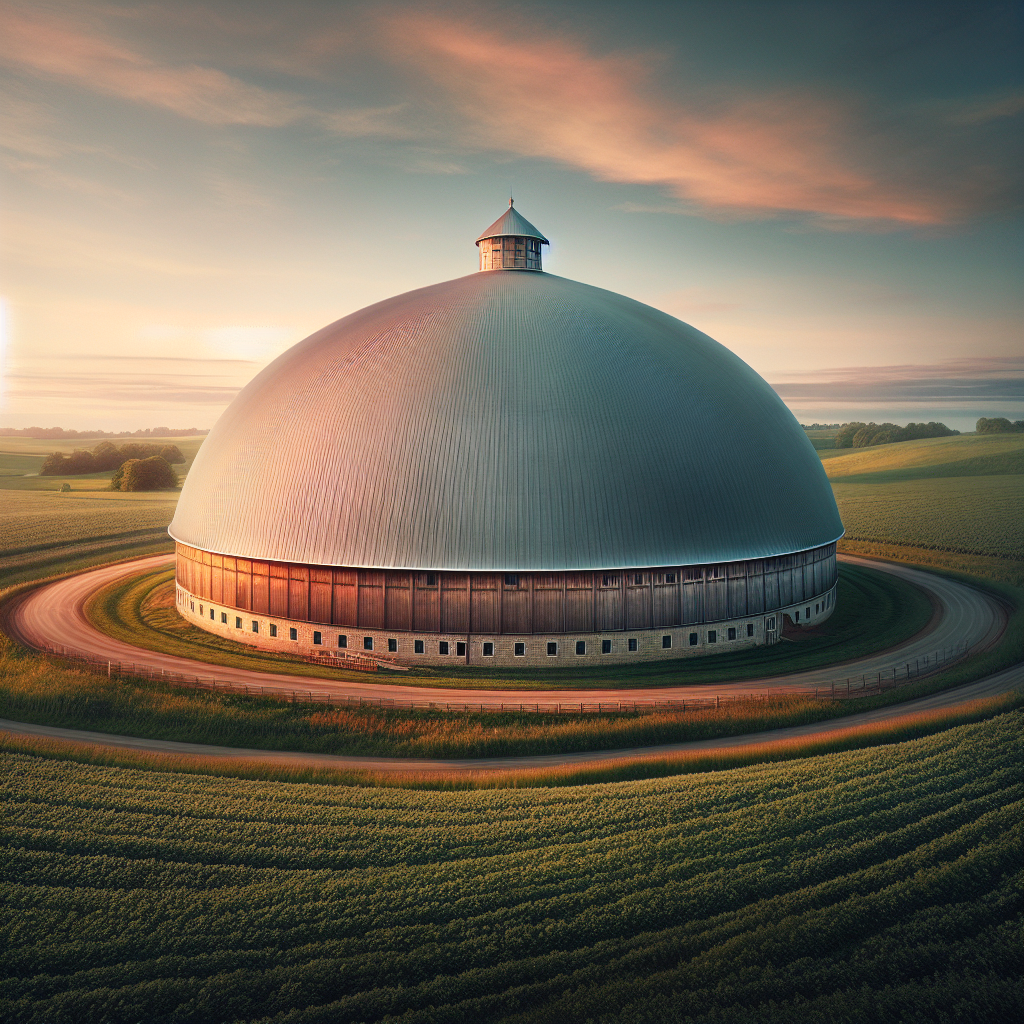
(994, 378)
(133, 390)
(58, 49)
(746, 154)
(245, 342)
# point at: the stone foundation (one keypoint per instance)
(255, 630)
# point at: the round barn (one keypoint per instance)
(506, 469)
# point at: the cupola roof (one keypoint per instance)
(512, 222)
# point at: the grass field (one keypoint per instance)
(980, 515)
(946, 502)
(44, 532)
(931, 458)
(873, 885)
(823, 440)
(48, 693)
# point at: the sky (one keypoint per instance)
(833, 191)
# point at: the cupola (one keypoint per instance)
(511, 243)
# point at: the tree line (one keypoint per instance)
(865, 435)
(999, 425)
(137, 466)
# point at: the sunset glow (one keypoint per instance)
(833, 193)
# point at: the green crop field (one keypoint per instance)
(33, 520)
(949, 502)
(972, 515)
(42, 533)
(872, 885)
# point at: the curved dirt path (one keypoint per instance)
(54, 615)
(1000, 682)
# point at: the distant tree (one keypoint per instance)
(171, 453)
(107, 456)
(53, 465)
(865, 435)
(999, 425)
(152, 474)
(64, 487)
(846, 434)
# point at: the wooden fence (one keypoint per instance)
(852, 687)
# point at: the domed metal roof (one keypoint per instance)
(507, 422)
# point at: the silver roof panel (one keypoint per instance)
(507, 422)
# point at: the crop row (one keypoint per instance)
(886, 874)
(31, 520)
(975, 515)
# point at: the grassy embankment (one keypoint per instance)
(878, 884)
(141, 611)
(43, 531)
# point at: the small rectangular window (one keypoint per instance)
(631, 643)
(666, 641)
(670, 577)
(293, 633)
(815, 609)
(606, 647)
(638, 579)
(750, 629)
(238, 622)
(342, 640)
(392, 644)
(318, 637)
(519, 650)
(693, 639)
(732, 632)
(212, 614)
(443, 647)
(581, 646)
(255, 626)
(511, 579)
(609, 581)
(431, 580)
(273, 629)
(224, 617)
(808, 611)
(417, 646)
(460, 648)
(712, 636)
(200, 609)
(796, 617)
(488, 649)
(552, 648)
(367, 643)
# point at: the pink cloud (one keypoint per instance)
(58, 49)
(551, 98)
